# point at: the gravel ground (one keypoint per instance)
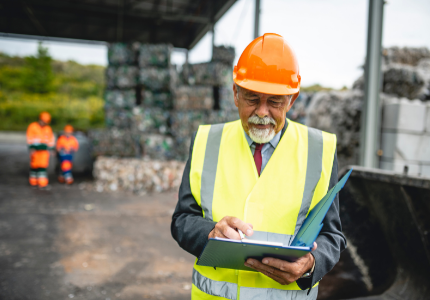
(71, 243)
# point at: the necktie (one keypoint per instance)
(257, 157)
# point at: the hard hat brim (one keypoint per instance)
(266, 87)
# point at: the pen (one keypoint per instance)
(242, 236)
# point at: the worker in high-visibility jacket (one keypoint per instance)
(40, 139)
(261, 174)
(67, 145)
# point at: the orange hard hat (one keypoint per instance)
(68, 129)
(268, 65)
(45, 117)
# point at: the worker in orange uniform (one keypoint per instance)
(40, 140)
(67, 145)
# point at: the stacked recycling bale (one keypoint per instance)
(206, 97)
(136, 175)
(151, 122)
(148, 102)
(121, 84)
(406, 74)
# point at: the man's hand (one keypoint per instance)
(227, 228)
(282, 271)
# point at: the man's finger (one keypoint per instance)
(239, 224)
(315, 246)
(266, 270)
(270, 275)
(278, 264)
(230, 233)
(218, 233)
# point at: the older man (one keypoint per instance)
(261, 174)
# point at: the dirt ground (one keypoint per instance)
(70, 243)
(73, 243)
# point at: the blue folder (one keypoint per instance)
(232, 254)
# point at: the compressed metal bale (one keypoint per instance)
(155, 55)
(114, 142)
(122, 53)
(193, 97)
(223, 54)
(406, 55)
(424, 70)
(121, 76)
(158, 79)
(403, 81)
(136, 175)
(118, 117)
(226, 98)
(120, 98)
(212, 73)
(338, 112)
(157, 99)
(297, 113)
(150, 120)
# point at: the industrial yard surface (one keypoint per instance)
(71, 243)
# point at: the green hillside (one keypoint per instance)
(72, 93)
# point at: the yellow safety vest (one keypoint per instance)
(224, 181)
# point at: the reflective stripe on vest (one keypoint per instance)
(224, 181)
(215, 288)
(229, 290)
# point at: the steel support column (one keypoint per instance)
(257, 19)
(370, 119)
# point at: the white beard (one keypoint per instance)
(261, 136)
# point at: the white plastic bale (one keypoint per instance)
(137, 175)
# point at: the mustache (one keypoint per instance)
(263, 121)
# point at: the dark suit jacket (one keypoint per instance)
(191, 230)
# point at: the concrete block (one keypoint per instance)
(424, 149)
(405, 115)
(427, 125)
(398, 166)
(404, 146)
(425, 171)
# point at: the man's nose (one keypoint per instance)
(262, 110)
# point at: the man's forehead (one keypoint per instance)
(252, 93)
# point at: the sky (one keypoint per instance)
(329, 37)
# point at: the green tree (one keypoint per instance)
(39, 76)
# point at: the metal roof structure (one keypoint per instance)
(179, 22)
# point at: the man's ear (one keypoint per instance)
(235, 95)
(293, 99)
